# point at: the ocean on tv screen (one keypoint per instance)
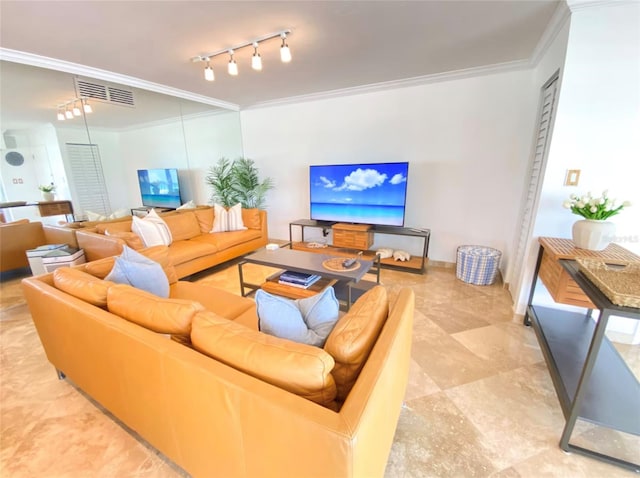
(359, 193)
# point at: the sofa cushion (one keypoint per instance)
(251, 218)
(298, 368)
(185, 251)
(225, 240)
(308, 321)
(225, 304)
(205, 218)
(130, 238)
(82, 285)
(165, 316)
(118, 225)
(354, 336)
(152, 229)
(183, 226)
(160, 254)
(139, 271)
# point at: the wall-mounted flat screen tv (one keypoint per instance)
(159, 188)
(359, 193)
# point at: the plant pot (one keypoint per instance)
(48, 196)
(593, 235)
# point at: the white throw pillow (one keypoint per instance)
(94, 216)
(188, 205)
(152, 230)
(118, 213)
(234, 218)
(220, 223)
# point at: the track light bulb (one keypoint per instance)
(61, 116)
(233, 66)
(87, 107)
(76, 110)
(285, 53)
(208, 73)
(256, 60)
(68, 114)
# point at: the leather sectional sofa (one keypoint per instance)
(16, 238)
(193, 249)
(196, 379)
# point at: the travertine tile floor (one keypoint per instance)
(480, 401)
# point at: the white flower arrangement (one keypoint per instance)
(598, 209)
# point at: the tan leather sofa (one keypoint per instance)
(16, 238)
(248, 413)
(193, 249)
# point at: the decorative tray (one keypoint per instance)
(621, 284)
(335, 265)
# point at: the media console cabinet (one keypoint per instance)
(592, 381)
(349, 239)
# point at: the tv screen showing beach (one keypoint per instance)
(159, 188)
(359, 193)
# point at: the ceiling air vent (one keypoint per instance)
(105, 93)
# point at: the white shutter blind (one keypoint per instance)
(539, 153)
(88, 179)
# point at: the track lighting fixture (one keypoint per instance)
(76, 111)
(208, 72)
(73, 108)
(285, 53)
(256, 59)
(233, 66)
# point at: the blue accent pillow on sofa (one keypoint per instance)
(139, 271)
(308, 321)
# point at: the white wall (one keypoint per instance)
(467, 143)
(598, 123)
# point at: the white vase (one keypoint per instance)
(48, 196)
(593, 235)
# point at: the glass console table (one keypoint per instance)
(591, 379)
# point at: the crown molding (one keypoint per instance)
(403, 83)
(577, 5)
(87, 71)
(560, 16)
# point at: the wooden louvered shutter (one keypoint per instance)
(88, 179)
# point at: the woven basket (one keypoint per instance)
(621, 284)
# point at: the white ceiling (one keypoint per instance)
(335, 45)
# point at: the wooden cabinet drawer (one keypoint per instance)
(560, 285)
(353, 236)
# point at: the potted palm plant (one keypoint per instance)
(238, 181)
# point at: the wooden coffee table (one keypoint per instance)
(347, 284)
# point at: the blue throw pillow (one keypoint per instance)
(308, 321)
(140, 272)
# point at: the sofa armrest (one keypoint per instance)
(15, 240)
(98, 246)
(60, 235)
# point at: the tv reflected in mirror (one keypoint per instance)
(364, 193)
(159, 188)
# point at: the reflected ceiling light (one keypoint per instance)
(233, 66)
(73, 108)
(256, 59)
(208, 72)
(285, 53)
(76, 110)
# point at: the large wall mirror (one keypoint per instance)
(93, 157)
